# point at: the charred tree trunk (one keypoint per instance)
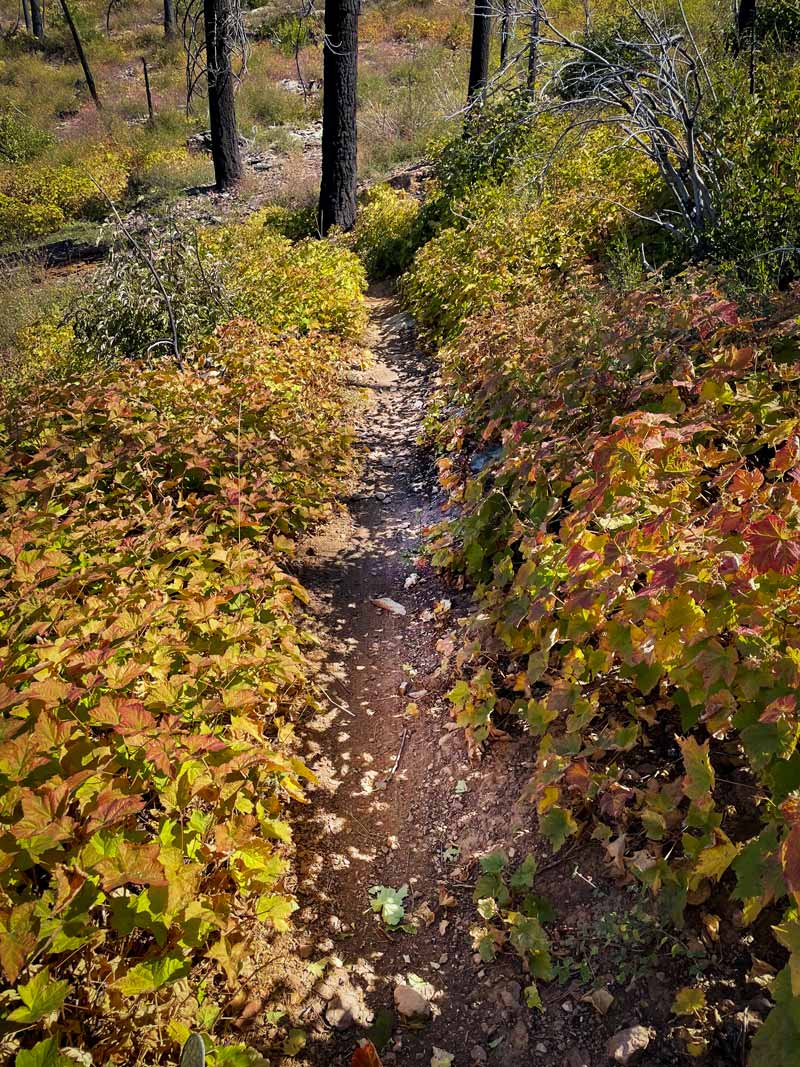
(148, 93)
(170, 20)
(479, 55)
(337, 194)
(87, 73)
(745, 15)
(37, 19)
(533, 49)
(26, 13)
(745, 23)
(221, 83)
(505, 33)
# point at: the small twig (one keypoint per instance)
(336, 703)
(399, 756)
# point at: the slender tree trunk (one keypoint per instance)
(37, 19)
(337, 194)
(26, 11)
(87, 73)
(149, 95)
(479, 55)
(533, 50)
(221, 83)
(505, 33)
(170, 20)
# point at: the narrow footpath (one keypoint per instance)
(398, 802)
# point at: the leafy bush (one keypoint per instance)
(38, 198)
(778, 24)
(143, 772)
(209, 277)
(759, 226)
(623, 471)
(20, 140)
(515, 232)
(153, 658)
(385, 232)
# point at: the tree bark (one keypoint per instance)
(87, 73)
(170, 20)
(533, 50)
(479, 55)
(505, 33)
(221, 83)
(745, 15)
(26, 11)
(37, 19)
(148, 93)
(337, 194)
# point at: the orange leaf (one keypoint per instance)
(366, 1056)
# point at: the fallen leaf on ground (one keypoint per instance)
(600, 999)
(440, 1058)
(366, 1056)
(386, 603)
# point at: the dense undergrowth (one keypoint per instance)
(154, 661)
(621, 454)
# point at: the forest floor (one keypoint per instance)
(400, 803)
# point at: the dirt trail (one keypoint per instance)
(400, 803)
(396, 800)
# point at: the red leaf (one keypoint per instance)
(366, 1056)
(773, 545)
(111, 808)
(783, 706)
(137, 864)
(790, 861)
(744, 483)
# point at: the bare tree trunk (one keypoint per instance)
(37, 19)
(479, 55)
(533, 50)
(170, 20)
(87, 73)
(746, 15)
(587, 16)
(218, 17)
(26, 11)
(149, 95)
(337, 194)
(505, 33)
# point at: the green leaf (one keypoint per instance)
(688, 1001)
(699, 778)
(43, 1054)
(295, 1041)
(532, 997)
(389, 903)
(523, 876)
(557, 824)
(41, 996)
(151, 975)
(275, 909)
(493, 862)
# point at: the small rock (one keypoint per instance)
(625, 1044)
(541, 1047)
(478, 1055)
(411, 1004)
